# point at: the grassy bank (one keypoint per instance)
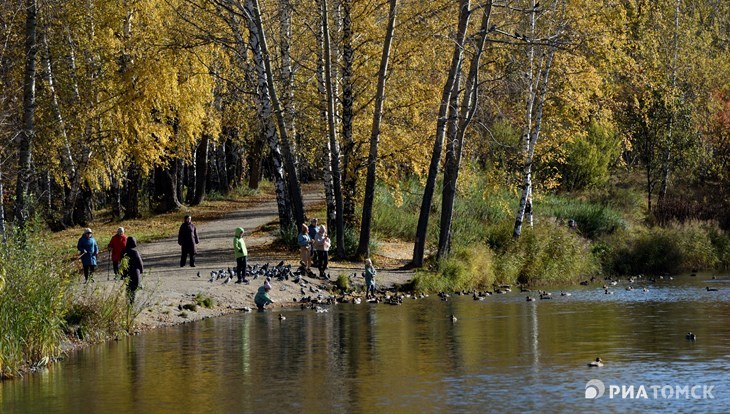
(611, 238)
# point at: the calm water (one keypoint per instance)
(503, 354)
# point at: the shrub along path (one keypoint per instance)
(168, 287)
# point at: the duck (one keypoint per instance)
(282, 317)
(709, 289)
(690, 336)
(565, 293)
(453, 318)
(608, 292)
(596, 364)
(530, 299)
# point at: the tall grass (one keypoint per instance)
(99, 313)
(673, 249)
(593, 220)
(33, 302)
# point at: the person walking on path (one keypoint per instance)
(321, 247)
(262, 297)
(304, 242)
(187, 238)
(369, 279)
(134, 269)
(88, 250)
(239, 249)
(116, 247)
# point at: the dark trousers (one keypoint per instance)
(184, 256)
(115, 266)
(322, 261)
(89, 272)
(133, 285)
(241, 268)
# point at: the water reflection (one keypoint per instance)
(502, 354)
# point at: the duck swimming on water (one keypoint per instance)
(596, 364)
(690, 336)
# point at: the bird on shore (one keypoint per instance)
(453, 318)
(198, 273)
(596, 364)
(690, 336)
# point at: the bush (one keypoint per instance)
(548, 254)
(465, 269)
(288, 237)
(672, 249)
(204, 300)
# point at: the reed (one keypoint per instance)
(33, 302)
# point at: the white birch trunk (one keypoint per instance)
(263, 105)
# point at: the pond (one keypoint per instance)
(501, 354)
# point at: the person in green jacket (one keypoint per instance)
(239, 249)
(262, 297)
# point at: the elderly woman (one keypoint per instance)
(321, 249)
(187, 238)
(88, 250)
(116, 247)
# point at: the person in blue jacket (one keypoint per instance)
(88, 250)
(262, 297)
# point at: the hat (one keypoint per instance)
(267, 285)
(120, 230)
(88, 230)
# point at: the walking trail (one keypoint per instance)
(167, 286)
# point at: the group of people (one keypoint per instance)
(314, 245)
(120, 247)
(313, 241)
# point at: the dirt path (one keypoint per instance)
(168, 287)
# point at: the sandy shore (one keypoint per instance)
(168, 287)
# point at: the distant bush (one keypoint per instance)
(593, 220)
(675, 248)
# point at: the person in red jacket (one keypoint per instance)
(116, 247)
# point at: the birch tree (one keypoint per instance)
(465, 114)
(537, 78)
(454, 68)
(332, 132)
(25, 138)
(363, 249)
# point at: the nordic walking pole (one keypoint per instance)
(107, 265)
